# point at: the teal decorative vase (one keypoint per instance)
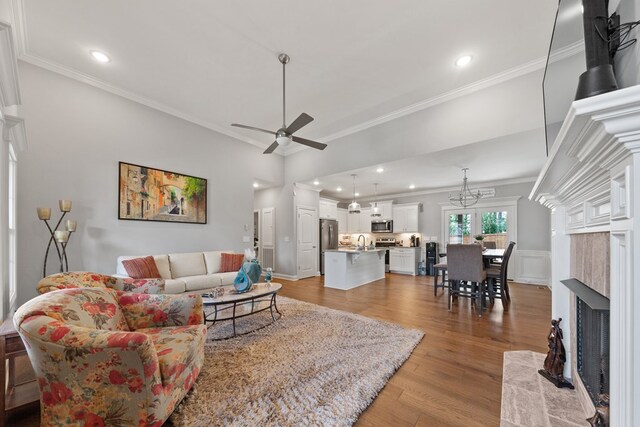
(249, 274)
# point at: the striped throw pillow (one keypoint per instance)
(231, 262)
(142, 268)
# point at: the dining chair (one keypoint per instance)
(467, 276)
(497, 277)
(440, 269)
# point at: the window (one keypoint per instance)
(12, 200)
(495, 221)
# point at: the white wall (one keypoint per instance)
(627, 62)
(77, 134)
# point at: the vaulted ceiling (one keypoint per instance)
(354, 63)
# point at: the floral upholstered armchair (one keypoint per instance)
(104, 357)
(85, 279)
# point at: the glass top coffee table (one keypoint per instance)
(233, 305)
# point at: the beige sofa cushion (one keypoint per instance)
(197, 283)
(227, 278)
(187, 264)
(174, 286)
(212, 260)
(162, 262)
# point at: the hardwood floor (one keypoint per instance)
(453, 377)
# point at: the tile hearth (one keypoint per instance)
(530, 400)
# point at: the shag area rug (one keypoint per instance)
(313, 366)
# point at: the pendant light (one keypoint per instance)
(375, 210)
(354, 207)
(464, 198)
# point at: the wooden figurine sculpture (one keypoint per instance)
(556, 357)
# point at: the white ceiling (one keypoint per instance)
(495, 161)
(353, 62)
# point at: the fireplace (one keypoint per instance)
(591, 183)
(592, 350)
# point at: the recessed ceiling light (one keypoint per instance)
(412, 186)
(380, 170)
(256, 185)
(357, 194)
(100, 57)
(316, 182)
(339, 189)
(463, 60)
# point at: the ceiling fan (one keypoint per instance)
(284, 135)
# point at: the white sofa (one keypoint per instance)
(187, 272)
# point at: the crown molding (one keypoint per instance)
(9, 81)
(497, 183)
(107, 87)
(512, 73)
(521, 70)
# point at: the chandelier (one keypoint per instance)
(354, 207)
(464, 198)
(375, 210)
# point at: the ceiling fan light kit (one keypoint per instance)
(284, 135)
(465, 197)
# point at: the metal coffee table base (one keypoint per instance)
(222, 308)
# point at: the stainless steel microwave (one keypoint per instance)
(382, 226)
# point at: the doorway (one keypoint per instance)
(307, 236)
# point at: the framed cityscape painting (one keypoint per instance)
(147, 194)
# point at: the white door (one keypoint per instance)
(307, 242)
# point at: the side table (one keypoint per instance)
(14, 395)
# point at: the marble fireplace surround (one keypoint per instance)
(590, 264)
(591, 183)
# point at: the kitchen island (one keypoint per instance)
(349, 268)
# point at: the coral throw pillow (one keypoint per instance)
(231, 262)
(142, 268)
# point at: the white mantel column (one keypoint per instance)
(560, 270)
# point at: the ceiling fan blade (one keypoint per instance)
(309, 143)
(302, 120)
(253, 128)
(271, 148)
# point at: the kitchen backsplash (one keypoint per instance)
(352, 239)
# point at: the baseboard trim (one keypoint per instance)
(285, 276)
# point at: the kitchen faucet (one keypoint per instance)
(364, 241)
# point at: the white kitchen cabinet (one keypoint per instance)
(365, 220)
(404, 260)
(385, 209)
(342, 221)
(353, 223)
(406, 218)
(328, 209)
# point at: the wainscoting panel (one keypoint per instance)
(530, 267)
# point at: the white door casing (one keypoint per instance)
(267, 238)
(307, 237)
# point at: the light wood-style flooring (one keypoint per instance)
(453, 377)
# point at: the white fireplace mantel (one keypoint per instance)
(591, 181)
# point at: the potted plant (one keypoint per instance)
(479, 238)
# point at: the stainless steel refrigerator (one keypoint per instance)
(328, 238)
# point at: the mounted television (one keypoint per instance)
(580, 61)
